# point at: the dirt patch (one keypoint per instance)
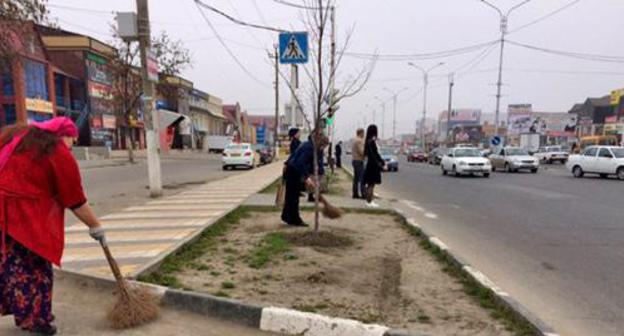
(330, 239)
(381, 276)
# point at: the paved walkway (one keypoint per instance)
(141, 235)
(339, 201)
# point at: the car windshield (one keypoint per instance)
(386, 151)
(555, 149)
(467, 152)
(237, 147)
(516, 151)
(618, 152)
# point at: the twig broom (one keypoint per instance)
(135, 305)
(330, 211)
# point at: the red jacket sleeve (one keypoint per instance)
(66, 175)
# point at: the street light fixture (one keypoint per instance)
(504, 19)
(426, 83)
(395, 94)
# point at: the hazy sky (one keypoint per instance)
(549, 82)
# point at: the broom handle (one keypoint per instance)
(113, 265)
(323, 200)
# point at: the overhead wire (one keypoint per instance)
(235, 20)
(544, 17)
(226, 47)
(291, 4)
(583, 56)
(422, 56)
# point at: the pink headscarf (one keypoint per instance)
(61, 126)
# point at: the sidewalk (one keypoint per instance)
(141, 236)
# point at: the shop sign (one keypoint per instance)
(152, 66)
(96, 122)
(100, 106)
(98, 70)
(109, 121)
(616, 95)
(611, 120)
(100, 91)
(585, 121)
(39, 105)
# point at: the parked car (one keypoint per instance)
(240, 155)
(513, 159)
(600, 160)
(416, 155)
(551, 154)
(265, 152)
(391, 159)
(436, 155)
(461, 161)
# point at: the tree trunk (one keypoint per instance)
(130, 148)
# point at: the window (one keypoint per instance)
(605, 153)
(7, 85)
(591, 151)
(59, 90)
(10, 117)
(35, 75)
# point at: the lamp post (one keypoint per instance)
(395, 94)
(504, 20)
(383, 115)
(425, 74)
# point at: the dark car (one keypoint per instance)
(416, 155)
(435, 157)
(266, 154)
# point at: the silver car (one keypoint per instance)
(513, 159)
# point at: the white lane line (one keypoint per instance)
(414, 205)
(431, 215)
(399, 211)
(437, 242)
(485, 281)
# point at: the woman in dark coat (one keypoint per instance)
(374, 165)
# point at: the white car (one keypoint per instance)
(513, 159)
(601, 160)
(461, 161)
(550, 154)
(240, 155)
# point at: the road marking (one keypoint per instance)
(431, 215)
(437, 242)
(414, 205)
(484, 280)
(399, 211)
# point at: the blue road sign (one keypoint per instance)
(496, 140)
(293, 48)
(260, 134)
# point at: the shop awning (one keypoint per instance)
(167, 118)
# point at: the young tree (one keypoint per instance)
(172, 57)
(15, 18)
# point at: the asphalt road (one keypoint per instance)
(111, 188)
(553, 242)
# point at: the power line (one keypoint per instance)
(237, 21)
(422, 56)
(473, 63)
(226, 47)
(587, 57)
(80, 9)
(542, 18)
(290, 4)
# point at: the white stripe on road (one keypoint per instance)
(431, 215)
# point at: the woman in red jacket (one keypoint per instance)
(39, 179)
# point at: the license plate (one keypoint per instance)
(235, 154)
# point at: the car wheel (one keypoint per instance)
(577, 171)
(225, 167)
(455, 171)
(508, 168)
(486, 175)
(620, 173)
(534, 170)
(444, 172)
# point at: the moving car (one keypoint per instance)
(240, 155)
(416, 155)
(461, 161)
(391, 159)
(513, 159)
(550, 154)
(601, 160)
(435, 156)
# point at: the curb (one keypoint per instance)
(270, 319)
(502, 298)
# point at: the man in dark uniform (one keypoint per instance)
(339, 154)
(300, 169)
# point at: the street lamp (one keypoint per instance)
(395, 94)
(383, 115)
(504, 19)
(426, 83)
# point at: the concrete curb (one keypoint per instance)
(502, 298)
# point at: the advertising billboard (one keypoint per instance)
(467, 134)
(466, 116)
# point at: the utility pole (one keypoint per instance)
(293, 99)
(450, 107)
(395, 96)
(149, 113)
(275, 57)
(504, 20)
(383, 115)
(425, 86)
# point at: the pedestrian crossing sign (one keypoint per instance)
(293, 47)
